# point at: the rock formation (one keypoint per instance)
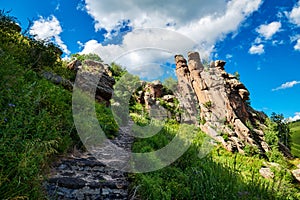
(220, 101)
(92, 72)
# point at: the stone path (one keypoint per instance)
(83, 176)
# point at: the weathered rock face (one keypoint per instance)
(185, 92)
(222, 99)
(74, 65)
(151, 92)
(95, 72)
(155, 89)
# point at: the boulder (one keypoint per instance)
(266, 172)
(74, 65)
(155, 89)
(168, 98)
(296, 174)
(91, 73)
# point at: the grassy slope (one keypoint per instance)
(220, 175)
(36, 121)
(295, 130)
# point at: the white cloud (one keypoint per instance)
(268, 30)
(228, 56)
(205, 22)
(258, 40)
(257, 49)
(287, 85)
(297, 46)
(277, 42)
(108, 14)
(143, 50)
(48, 29)
(57, 7)
(296, 38)
(294, 15)
(294, 118)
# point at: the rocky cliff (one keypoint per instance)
(219, 102)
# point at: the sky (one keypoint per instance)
(258, 38)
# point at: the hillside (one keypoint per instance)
(40, 138)
(36, 122)
(295, 132)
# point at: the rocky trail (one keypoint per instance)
(82, 176)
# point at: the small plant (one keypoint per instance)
(231, 126)
(202, 120)
(249, 125)
(225, 136)
(237, 75)
(208, 104)
(251, 150)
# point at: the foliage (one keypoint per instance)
(237, 75)
(117, 71)
(282, 128)
(251, 150)
(89, 56)
(33, 54)
(8, 23)
(170, 83)
(35, 124)
(271, 135)
(106, 120)
(219, 175)
(36, 121)
(208, 104)
(123, 91)
(295, 138)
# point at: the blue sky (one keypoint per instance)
(259, 38)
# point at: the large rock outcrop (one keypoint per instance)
(220, 102)
(89, 71)
(92, 72)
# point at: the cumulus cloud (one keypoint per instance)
(109, 14)
(294, 15)
(294, 118)
(204, 22)
(48, 29)
(257, 49)
(268, 30)
(143, 50)
(287, 85)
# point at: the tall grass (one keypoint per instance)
(295, 136)
(36, 120)
(219, 175)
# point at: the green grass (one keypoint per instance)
(295, 131)
(36, 121)
(219, 175)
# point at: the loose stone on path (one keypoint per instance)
(84, 177)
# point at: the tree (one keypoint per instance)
(89, 56)
(282, 128)
(8, 23)
(117, 71)
(170, 83)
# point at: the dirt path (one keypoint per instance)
(84, 177)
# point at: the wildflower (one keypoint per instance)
(11, 105)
